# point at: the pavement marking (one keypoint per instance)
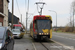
(62, 44)
(34, 46)
(64, 37)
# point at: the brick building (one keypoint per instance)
(4, 12)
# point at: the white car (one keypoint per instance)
(17, 33)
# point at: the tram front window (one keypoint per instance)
(43, 24)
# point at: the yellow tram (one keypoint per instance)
(41, 27)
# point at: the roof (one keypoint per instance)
(42, 16)
(15, 19)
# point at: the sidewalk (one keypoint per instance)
(24, 43)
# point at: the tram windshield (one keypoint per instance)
(43, 24)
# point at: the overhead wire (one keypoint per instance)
(25, 6)
(40, 0)
(28, 6)
(18, 7)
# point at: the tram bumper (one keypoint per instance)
(43, 36)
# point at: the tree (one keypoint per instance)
(73, 8)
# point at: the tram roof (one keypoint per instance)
(42, 16)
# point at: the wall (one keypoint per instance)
(15, 18)
(5, 8)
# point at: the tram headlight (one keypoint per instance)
(47, 33)
(39, 33)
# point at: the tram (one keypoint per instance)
(41, 27)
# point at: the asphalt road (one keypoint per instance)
(28, 43)
(64, 38)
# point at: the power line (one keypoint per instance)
(40, 0)
(25, 6)
(28, 7)
(18, 7)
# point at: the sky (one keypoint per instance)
(61, 7)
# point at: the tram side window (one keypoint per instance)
(35, 26)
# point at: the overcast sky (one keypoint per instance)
(62, 7)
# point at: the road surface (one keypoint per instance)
(64, 38)
(28, 43)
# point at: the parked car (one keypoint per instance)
(18, 26)
(17, 33)
(6, 39)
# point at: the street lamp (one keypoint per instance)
(56, 18)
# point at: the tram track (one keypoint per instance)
(44, 45)
(40, 45)
(50, 46)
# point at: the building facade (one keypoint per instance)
(4, 12)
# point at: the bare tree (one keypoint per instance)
(73, 12)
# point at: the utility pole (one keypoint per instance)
(12, 13)
(21, 18)
(27, 16)
(26, 21)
